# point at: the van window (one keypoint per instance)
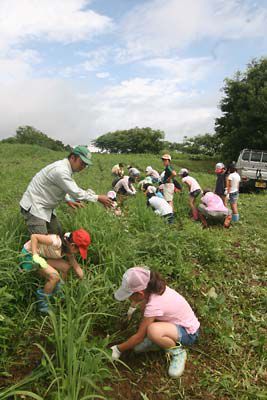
(264, 157)
(256, 156)
(245, 155)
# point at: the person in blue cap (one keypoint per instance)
(53, 184)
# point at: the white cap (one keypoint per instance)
(166, 157)
(134, 172)
(219, 165)
(183, 171)
(149, 169)
(134, 280)
(151, 189)
(112, 195)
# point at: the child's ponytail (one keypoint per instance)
(156, 285)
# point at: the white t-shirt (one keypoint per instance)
(235, 179)
(192, 182)
(160, 205)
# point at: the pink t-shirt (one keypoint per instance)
(172, 307)
(213, 202)
(192, 182)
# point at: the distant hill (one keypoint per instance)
(29, 135)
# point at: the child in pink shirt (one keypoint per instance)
(168, 320)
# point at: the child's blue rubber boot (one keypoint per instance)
(235, 217)
(177, 356)
(58, 291)
(146, 345)
(43, 301)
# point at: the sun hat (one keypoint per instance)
(112, 195)
(134, 172)
(166, 157)
(149, 169)
(148, 179)
(84, 153)
(151, 189)
(134, 280)
(219, 167)
(183, 171)
(82, 239)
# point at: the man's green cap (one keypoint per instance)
(84, 153)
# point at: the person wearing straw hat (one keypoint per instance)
(52, 185)
(167, 179)
(168, 320)
(220, 185)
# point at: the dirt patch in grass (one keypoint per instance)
(148, 379)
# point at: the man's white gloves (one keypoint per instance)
(39, 260)
(115, 352)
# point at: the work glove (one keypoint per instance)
(39, 260)
(130, 312)
(115, 352)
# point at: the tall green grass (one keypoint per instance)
(74, 339)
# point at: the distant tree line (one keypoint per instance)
(136, 140)
(29, 135)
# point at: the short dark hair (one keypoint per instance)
(184, 174)
(73, 154)
(121, 165)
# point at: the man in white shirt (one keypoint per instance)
(53, 184)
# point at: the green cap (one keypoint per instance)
(84, 153)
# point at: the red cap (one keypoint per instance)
(82, 239)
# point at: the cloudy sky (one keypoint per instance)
(76, 69)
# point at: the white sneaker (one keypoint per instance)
(177, 363)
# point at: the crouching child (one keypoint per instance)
(45, 253)
(168, 322)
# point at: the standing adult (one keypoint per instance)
(232, 189)
(167, 179)
(53, 184)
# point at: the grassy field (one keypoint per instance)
(66, 356)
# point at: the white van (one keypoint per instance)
(252, 167)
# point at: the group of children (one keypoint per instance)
(160, 190)
(168, 322)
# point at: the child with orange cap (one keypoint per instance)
(46, 252)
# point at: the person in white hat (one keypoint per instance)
(159, 205)
(168, 320)
(153, 174)
(114, 207)
(220, 185)
(167, 179)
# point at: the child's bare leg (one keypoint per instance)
(164, 334)
(52, 278)
(203, 220)
(60, 265)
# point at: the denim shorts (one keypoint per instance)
(186, 338)
(195, 193)
(233, 197)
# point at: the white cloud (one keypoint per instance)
(62, 111)
(53, 20)
(157, 27)
(102, 75)
(17, 65)
(183, 70)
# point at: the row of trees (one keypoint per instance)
(136, 140)
(29, 135)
